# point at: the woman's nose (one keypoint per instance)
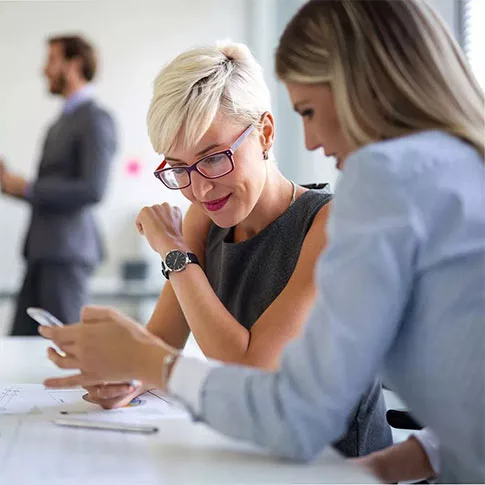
(201, 186)
(311, 141)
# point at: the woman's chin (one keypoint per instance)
(224, 219)
(223, 222)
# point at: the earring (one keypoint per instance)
(265, 155)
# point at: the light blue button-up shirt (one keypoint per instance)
(401, 292)
(80, 97)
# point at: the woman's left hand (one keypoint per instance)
(106, 346)
(161, 224)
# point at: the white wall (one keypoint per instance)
(135, 39)
(448, 9)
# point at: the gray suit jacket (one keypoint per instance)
(72, 177)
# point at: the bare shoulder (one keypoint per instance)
(317, 233)
(195, 227)
(314, 243)
(323, 214)
(196, 217)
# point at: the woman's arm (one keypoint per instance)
(168, 320)
(218, 333)
(193, 305)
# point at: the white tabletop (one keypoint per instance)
(182, 452)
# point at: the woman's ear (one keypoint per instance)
(267, 131)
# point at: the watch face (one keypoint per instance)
(176, 260)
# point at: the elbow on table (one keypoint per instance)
(303, 440)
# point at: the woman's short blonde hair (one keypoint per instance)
(198, 84)
(392, 65)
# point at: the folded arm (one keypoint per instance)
(218, 333)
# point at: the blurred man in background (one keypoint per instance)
(62, 245)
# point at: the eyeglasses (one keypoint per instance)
(212, 166)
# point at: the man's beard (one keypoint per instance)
(58, 85)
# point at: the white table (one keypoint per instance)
(182, 452)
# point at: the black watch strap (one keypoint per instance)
(193, 258)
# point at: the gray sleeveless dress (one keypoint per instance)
(248, 276)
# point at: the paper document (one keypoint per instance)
(64, 456)
(35, 399)
(35, 452)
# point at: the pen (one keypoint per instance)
(105, 425)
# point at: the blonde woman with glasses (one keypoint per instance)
(401, 283)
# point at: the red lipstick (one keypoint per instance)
(215, 205)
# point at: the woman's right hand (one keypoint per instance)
(112, 396)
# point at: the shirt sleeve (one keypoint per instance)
(187, 379)
(364, 279)
(430, 444)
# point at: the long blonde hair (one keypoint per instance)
(393, 67)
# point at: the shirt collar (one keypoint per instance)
(84, 94)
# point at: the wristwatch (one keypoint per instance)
(176, 261)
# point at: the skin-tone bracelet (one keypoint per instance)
(168, 362)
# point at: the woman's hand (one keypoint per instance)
(112, 396)
(106, 346)
(161, 224)
(401, 462)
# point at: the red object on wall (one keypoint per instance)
(133, 167)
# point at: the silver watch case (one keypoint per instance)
(176, 260)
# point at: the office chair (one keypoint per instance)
(401, 420)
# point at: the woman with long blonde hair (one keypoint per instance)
(382, 86)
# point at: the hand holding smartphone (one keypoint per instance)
(43, 317)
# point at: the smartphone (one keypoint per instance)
(108, 426)
(43, 317)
